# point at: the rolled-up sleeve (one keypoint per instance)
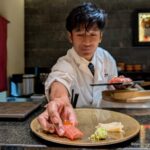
(61, 72)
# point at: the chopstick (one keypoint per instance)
(103, 84)
(120, 83)
(74, 98)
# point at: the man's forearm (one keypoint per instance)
(58, 90)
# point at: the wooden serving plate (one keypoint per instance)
(129, 96)
(87, 126)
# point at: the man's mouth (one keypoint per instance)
(86, 49)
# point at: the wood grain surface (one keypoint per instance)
(129, 96)
(17, 109)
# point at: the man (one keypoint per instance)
(85, 25)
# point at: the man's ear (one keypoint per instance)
(69, 37)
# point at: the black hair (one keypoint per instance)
(86, 14)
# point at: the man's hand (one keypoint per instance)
(57, 111)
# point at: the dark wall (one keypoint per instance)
(45, 33)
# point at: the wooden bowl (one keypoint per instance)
(127, 95)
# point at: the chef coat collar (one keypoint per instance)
(83, 65)
(80, 60)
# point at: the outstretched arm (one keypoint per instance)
(58, 110)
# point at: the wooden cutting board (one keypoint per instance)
(129, 96)
(17, 110)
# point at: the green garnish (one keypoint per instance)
(99, 134)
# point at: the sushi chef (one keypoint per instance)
(85, 63)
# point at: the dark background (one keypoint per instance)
(45, 33)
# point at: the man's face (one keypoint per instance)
(85, 41)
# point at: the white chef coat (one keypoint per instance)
(72, 71)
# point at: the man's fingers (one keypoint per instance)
(57, 122)
(72, 117)
(55, 117)
(56, 112)
(51, 128)
(69, 114)
(44, 122)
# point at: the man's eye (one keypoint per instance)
(80, 34)
(93, 34)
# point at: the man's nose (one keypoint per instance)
(86, 40)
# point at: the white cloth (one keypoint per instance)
(72, 71)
